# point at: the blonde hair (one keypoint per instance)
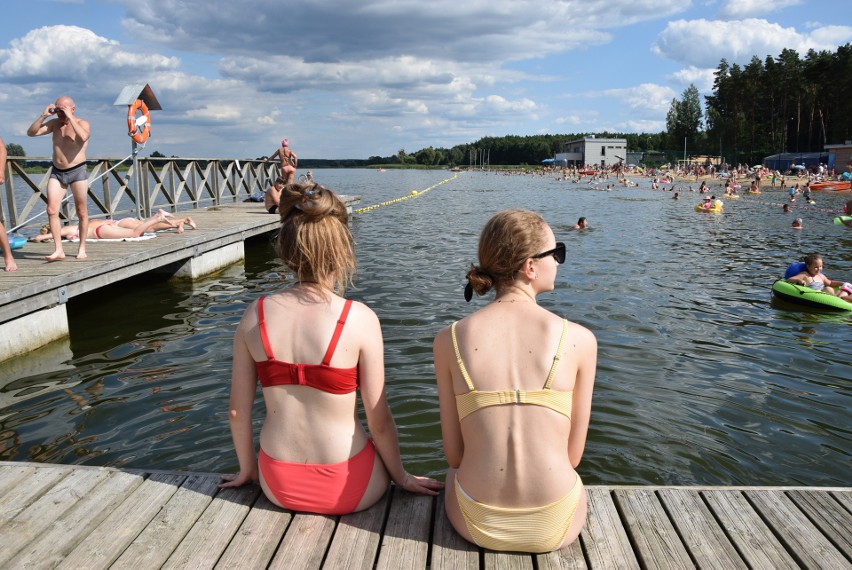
(508, 239)
(314, 240)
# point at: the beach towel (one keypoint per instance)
(140, 238)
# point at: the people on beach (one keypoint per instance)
(289, 161)
(273, 196)
(109, 229)
(813, 277)
(70, 139)
(515, 389)
(8, 260)
(581, 224)
(313, 351)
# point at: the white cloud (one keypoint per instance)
(703, 43)
(701, 78)
(58, 53)
(647, 98)
(737, 9)
(340, 30)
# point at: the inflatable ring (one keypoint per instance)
(137, 134)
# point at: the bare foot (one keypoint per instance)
(58, 255)
(10, 264)
(162, 212)
(190, 223)
(81, 254)
(180, 227)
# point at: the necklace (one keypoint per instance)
(522, 300)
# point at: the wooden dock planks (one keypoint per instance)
(92, 517)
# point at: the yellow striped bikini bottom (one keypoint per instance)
(528, 529)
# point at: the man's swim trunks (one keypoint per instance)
(68, 176)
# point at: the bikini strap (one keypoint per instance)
(558, 355)
(459, 359)
(338, 330)
(261, 325)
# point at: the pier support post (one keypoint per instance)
(26, 333)
(210, 262)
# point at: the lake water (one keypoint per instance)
(701, 379)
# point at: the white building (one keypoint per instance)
(592, 151)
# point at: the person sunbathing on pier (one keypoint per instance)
(170, 222)
(313, 351)
(515, 390)
(105, 229)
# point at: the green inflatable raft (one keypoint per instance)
(805, 296)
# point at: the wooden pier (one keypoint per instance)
(32, 299)
(92, 517)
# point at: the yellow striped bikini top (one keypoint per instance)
(557, 400)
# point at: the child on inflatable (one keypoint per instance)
(810, 275)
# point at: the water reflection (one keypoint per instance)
(702, 380)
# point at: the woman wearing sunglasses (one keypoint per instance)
(515, 388)
(313, 352)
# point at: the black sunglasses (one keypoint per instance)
(557, 252)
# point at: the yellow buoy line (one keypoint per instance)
(412, 194)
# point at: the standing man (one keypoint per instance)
(4, 240)
(70, 138)
(289, 161)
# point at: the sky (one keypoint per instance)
(354, 79)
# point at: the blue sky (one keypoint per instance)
(344, 79)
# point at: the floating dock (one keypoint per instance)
(32, 299)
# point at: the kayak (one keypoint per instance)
(838, 186)
(807, 297)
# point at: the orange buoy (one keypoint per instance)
(140, 135)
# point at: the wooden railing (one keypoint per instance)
(137, 187)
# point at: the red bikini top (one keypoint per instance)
(273, 372)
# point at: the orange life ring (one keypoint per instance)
(138, 135)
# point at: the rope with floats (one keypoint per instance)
(412, 194)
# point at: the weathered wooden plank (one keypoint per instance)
(29, 490)
(39, 515)
(406, 540)
(605, 540)
(699, 531)
(832, 519)
(257, 539)
(306, 542)
(507, 560)
(449, 550)
(824, 510)
(750, 535)
(210, 535)
(162, 535)
(570, 558)
(111, 537)
(11, 477)
(62, 537)
(654, 538)
(356, 540)
(800, 535)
